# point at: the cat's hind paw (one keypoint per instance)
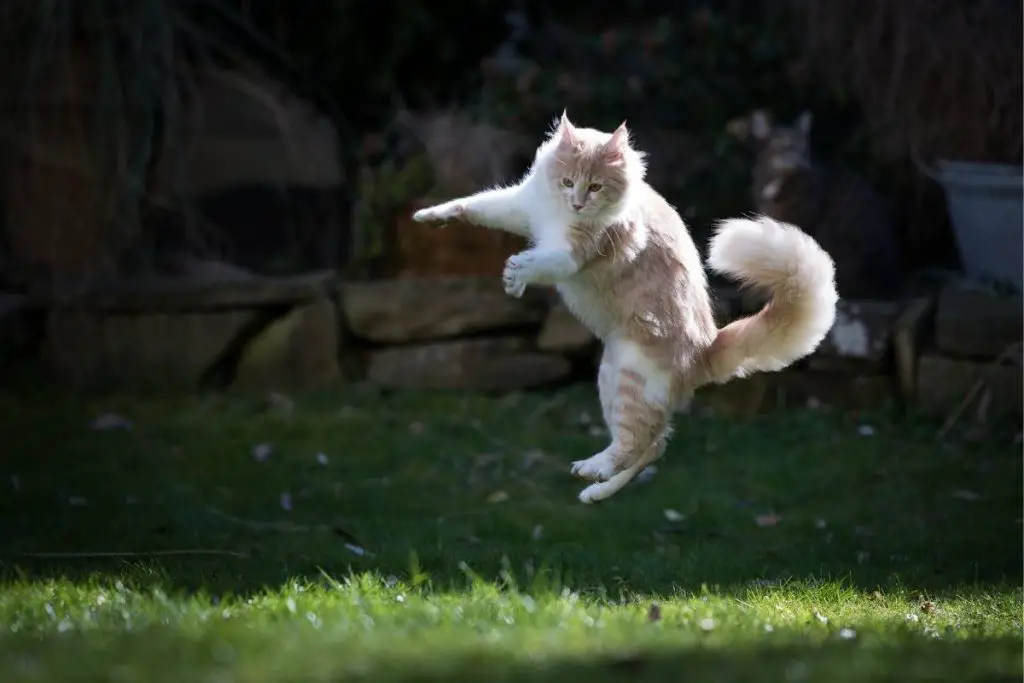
(600, 467)
(440, 213)
(606, 489)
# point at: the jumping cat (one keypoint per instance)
(831, 203)
(624, 263)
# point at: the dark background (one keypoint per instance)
(888, 82)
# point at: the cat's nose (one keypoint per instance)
(577, 206)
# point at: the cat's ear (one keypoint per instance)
(803, 122)
(620, 138)
(760, 125)
(615, 149)
(566, 131)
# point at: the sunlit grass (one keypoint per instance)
(437, 537)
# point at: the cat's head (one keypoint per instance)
(781, 148)
(590, 170)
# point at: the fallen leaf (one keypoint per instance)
(322, 459)
(497, 497)
(770, 519)
(673, 515)
(654, 613)
(110, 421)
(286, 501)
(537, 532)
(927, 606)
(964, 494)
(261, 451)
(866, 430)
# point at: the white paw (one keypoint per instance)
(600, 467)
(517, 273)
(439, 213)
(590, 494)
(606, 489)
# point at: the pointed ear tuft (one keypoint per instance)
(614, 151)
(566, 131)
(620, 138)
(760, 125)
(803, 122)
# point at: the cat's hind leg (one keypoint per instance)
(637, 414)
(606, 489)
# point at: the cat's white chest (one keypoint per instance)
(585, 303)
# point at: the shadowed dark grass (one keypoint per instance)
(437, 537)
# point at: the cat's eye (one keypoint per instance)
(594, 187)
(567, 182)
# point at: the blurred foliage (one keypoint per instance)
(687, 66)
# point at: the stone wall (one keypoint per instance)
(949, 350)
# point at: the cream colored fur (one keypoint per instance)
(622, 260)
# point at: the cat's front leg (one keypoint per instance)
(538, 266)
(441, 213)
(499, 209)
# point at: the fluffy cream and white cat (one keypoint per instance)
(625, 265)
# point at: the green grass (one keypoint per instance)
(889, 557)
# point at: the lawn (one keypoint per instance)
(351, 535)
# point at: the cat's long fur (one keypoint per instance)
(624, 263)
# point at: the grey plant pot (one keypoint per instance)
(986, 208)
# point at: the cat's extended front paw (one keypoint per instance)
(440, 213)
(517, 273)
(600, 467)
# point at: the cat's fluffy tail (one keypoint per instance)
(799, 275)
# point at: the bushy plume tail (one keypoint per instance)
(800, 277)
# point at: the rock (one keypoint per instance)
(166, 294)
(860, 338)
(943, 383)
(467, 153)
(99, 350)
(297, 351)
(196, 269)
(909, 335)
(795, 388)
(494, 364)
(400, 311)
(422, 250)
(241, 127)
(563, 332)
(730, 302)
(854, 391)
(740, 397)
(975, 323)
